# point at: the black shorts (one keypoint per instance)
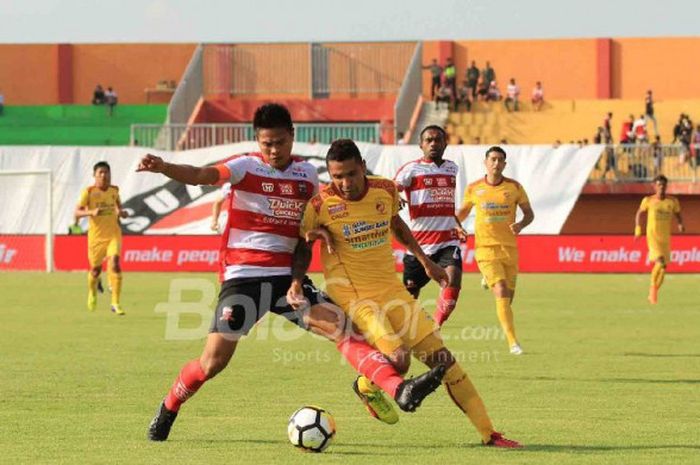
(414, 275)
(244, 301)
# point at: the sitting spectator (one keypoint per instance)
(98, 95)
(512, 96)
(463, 97)
(473, 78)
(477, 140)
(639, 128)
(444, 94)
(2, 103)
(493, 94)
(627, 134)
(111, 100)
(435, 74)
(537, 97)
(483, 91)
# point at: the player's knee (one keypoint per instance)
(442, 356)
(401, 360)
(96, 271)
(500, 289)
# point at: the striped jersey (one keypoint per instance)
(430, 193)
(266, 206)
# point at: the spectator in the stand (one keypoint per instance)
(444, 94)
(2, 103)
(557, 144)
(477, 140)
(685, 131)
(695, 146)
(483, 91)
(400, 138)
(459, 141)
(435, 75)
(649, 110)
(98, 95)
(657, 151)
(599, 137)
(537, 97)
(111, 100)
(493, 94)
(504, 141)
(627, 134)
(607, 125)
(639, 128)
(473, 78)
(512, 96)
(450, 73)
(463, 97)
(488, 74)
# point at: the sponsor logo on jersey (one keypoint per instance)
(268, 187)
(302, 188)
(286, 188)
(286, 208)
(338, 211)
(442, 182)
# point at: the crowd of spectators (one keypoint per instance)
(105, 97)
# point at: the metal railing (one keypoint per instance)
(315, 70)
(194, 136)
(642, 162)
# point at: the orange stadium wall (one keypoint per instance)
(28, 74)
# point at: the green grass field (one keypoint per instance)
(606, 379)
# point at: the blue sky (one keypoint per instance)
(85, 21)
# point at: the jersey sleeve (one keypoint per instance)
(395, 202)
(311, 218)
(468, 200)
(83, 201)
(233, 170)
(225, 191)
(522, 195)
(313, 179)
(403, 177)
(644, 206)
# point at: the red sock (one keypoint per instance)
(446, 303)
(187, 383)
(371, 363)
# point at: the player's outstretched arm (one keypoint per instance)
(528, 217)
(402, 233)
(183, 173)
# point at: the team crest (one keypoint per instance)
(268, 187)
(442, 182)
(286, 189)
(302, 188)
(381, 206)
(506, 195)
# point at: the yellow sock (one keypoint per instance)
(92, 283)
(115, 282)
(654, 274)
(366, 386)
(463, 393)
(660, 277)
(505, 316)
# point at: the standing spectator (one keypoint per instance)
(607, 125)
(450, 73)
(599, 137)
(98, 95)
(657, 151)
(488, 74)
(444, 94)
(627, 134)
(537, 97)
(2, 103)
(111, 100)
(493, 94)
(649, 110)
(473, 78)
(512, 96)
(463, 97)
(685, 136)
(695, 147)
(639, 128)
(435, 73)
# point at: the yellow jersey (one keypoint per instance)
(106, 224)
(363, 264)
(659, 216)
(496, 206)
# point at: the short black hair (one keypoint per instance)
(101, 164)
(661, 178)
(433, 127)
(496, 149)
(343, 149)
(272, 116)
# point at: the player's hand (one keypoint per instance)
(324, 235)
(152, 164)
(214, 226)
(95, 211)
(681, 228)
(436, 273)
(516, 228)
(123, 214)
(461, 234)
(295, 296)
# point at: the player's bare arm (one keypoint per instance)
(183, 173)
(215, 212)
(121, 213)
(528, 217)
(462, 234)
(403, 234)
(300, 265)
(322, 234)
(84, 211)
(681, 226)
(638, 218)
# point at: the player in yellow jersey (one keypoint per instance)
(100, 203)
(496, 199)
(660, 210)
(356, 216)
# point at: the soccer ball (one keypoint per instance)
(311, 428)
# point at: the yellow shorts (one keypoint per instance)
(659, 250)
(498, 263)
(389, 320)
(98, 249)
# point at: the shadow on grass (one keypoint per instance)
(641, 354)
